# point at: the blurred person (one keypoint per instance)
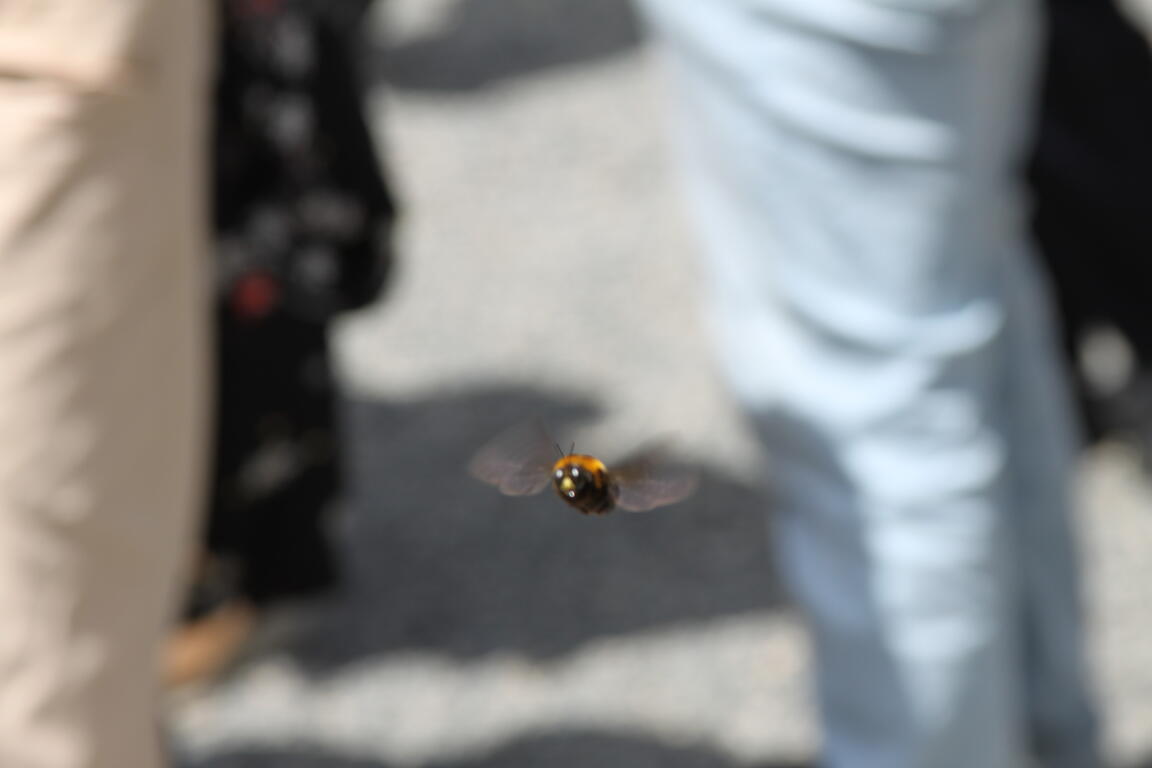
(854, 167)
(1091, 215)
(303, 223)
(102, 366)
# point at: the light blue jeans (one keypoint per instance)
(853, 168)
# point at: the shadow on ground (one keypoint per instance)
(552, 751)
(486, 41)
(438, 561)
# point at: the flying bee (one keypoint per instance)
(521, 463)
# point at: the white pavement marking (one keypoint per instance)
(731, 685)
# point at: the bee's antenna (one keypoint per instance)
(560, 449)
(572, 450)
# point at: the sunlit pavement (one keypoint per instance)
(547, 272)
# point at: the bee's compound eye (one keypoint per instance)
(559, 474)
(575, 471)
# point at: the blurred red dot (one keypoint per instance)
(263, 6)
(255, 295)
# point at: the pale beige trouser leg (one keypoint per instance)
(102, 366)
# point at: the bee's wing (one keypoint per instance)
(651, 478)
(518, 462)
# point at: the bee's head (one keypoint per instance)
(570, 480)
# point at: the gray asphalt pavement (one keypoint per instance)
(548, 272)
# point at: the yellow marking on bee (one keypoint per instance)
(566, 484)
(590, 465)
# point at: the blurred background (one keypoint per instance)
(545, 269)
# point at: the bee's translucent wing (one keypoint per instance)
(651, 477)
(518, 462)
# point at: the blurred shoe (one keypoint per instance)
(200, 649)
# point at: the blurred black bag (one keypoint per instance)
(302, 212)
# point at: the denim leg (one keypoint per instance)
(1061, 714)
(851, 164)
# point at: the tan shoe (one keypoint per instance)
(199, 650)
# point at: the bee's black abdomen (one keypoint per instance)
(593, 501)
